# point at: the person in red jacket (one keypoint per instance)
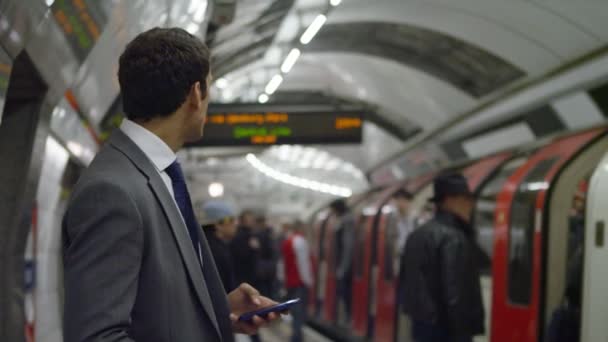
(298, 275)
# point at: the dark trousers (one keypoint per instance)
(427, 332)
(345, 295)
(255, 338)
(298, 311)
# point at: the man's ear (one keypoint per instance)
(195, 96)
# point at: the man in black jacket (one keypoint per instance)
(344, 244)
(440, 276)
(220, 228)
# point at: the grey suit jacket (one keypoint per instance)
(131, 273)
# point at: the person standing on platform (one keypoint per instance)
(220, 228)
(137, 266)
(344, 244)
(245, 249)
(406, 223)
(298, 275)
(440, 278)
(267, 261)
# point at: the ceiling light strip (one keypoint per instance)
(312, 30)
(297, 181)
(274, 84)
(290, 61)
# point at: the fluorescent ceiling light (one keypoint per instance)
(200, 12)
(297, 181)
(263, 98)
(163, 17)
(193, 6)
(274, 84)
(291, 59)
(221, 83)
(335, 2)
(216, 189)
(192, 28)
(312, 30)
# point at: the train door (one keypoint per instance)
(483, 221)
(477, 174)
(595, 283)
(389, 324)
(517, 267)
(564, 247)
(362, 261)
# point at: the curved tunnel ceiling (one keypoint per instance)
(461, 64)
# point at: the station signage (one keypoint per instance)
(81, 21)
(244, 128)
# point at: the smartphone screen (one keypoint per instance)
(263, 312)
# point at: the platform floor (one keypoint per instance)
(281, 332)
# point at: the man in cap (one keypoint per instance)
(440, 275)
(219, 225)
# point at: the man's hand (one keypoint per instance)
(245, 299)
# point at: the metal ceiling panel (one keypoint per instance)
(589, 16)
(463, 65)
(509, 41)
(247, 39)
(403, 95)
(535, 20)
(18, 19)
(28, 24)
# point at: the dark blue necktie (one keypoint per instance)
(182, 197)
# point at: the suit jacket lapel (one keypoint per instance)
(139, 159)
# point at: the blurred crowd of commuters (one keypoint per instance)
(248, 249)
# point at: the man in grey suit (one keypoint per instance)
(137, 266)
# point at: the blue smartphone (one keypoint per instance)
(281, 307)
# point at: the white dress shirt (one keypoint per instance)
(159, 153)
(406, 225)
(300, 246)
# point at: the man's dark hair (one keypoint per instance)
(402, 193)
(260, 219)
(339, 206)
(245, 213)
(157, 70)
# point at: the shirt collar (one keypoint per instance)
(159, 153)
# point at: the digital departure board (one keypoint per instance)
(81, 21)
(282, 127)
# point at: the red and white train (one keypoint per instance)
(523, 218)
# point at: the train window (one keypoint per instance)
(521, 232)
(485, 211)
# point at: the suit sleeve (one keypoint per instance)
(452, 264)
(103, 243)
